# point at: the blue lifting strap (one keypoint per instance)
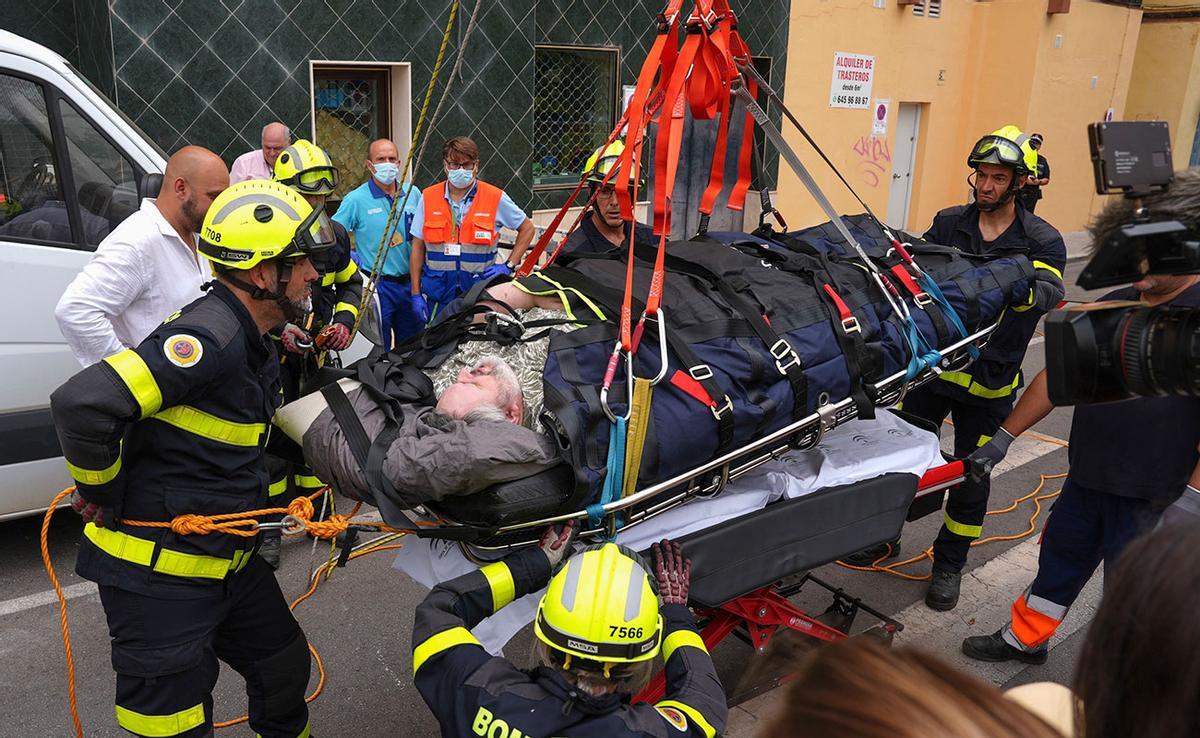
(614, 475)
(932, 289)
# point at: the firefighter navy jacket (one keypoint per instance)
(475, 694)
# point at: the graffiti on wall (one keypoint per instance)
(874, 159)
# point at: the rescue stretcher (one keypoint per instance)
(487, 542)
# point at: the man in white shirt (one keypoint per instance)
(260, 163)
(147, 267)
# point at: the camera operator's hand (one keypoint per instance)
(556, 542)
(1048, 291)
(672, 571)
(984, 459)
(1184, 510)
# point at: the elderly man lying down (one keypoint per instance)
(471, 439)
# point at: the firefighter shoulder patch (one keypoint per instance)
(183, 350)
(674, 717)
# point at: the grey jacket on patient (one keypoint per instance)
(433, 456)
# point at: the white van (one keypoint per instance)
(71, 168)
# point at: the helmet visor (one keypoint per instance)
(316, 181)
(314, 235)
(997, 150)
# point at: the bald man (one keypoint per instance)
(147, 268)
(260, 163)
(364, 213)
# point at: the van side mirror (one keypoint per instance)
(150, 185)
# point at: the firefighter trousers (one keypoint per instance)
(1085, 527)
(165, 653)
(974, 425)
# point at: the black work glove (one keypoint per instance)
(89, 511)
(1048, 291)
(672, 571)
(556, 542)
(984, 459)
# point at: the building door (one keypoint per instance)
(903, 162)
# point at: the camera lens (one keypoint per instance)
(1159, 351)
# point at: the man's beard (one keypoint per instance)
(194, 218)
(297, 309)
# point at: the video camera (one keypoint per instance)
(1118, 349)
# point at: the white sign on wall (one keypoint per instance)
(853, 75)
(879, 120)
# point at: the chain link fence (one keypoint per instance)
(574, 109)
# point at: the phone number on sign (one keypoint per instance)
(849, 100)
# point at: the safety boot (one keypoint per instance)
(943, 589)
(269, 547)
(879, 552)
(994, 648)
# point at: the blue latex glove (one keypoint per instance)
(420, 307)
(495, 269)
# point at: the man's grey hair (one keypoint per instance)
(1181, 202)
(485, 413)
(508, 386)
(286, 131)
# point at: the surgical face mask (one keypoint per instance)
(386, 172)
(461, 178)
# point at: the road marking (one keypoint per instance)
(28, 602)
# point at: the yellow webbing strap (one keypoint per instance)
(635, 439)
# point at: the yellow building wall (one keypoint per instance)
(1166, 81)
(980, 66)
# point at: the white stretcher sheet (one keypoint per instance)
(855, 451)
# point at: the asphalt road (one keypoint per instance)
(360, 621)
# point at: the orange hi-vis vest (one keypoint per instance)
(469, 246)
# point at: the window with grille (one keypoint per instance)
(351, 106)
(574, 109)
(928, 8)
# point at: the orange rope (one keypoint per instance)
(62, 607)
(245, 523)
(892, 569)
(316, 656)
(239, 524)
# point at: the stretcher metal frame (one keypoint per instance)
(757, 616)
(706, 480)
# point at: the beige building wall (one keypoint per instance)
(980, 66)
(1166, 80)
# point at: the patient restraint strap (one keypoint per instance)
(635, 443)
(613, 476)
(368, 454)
(787, 361)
